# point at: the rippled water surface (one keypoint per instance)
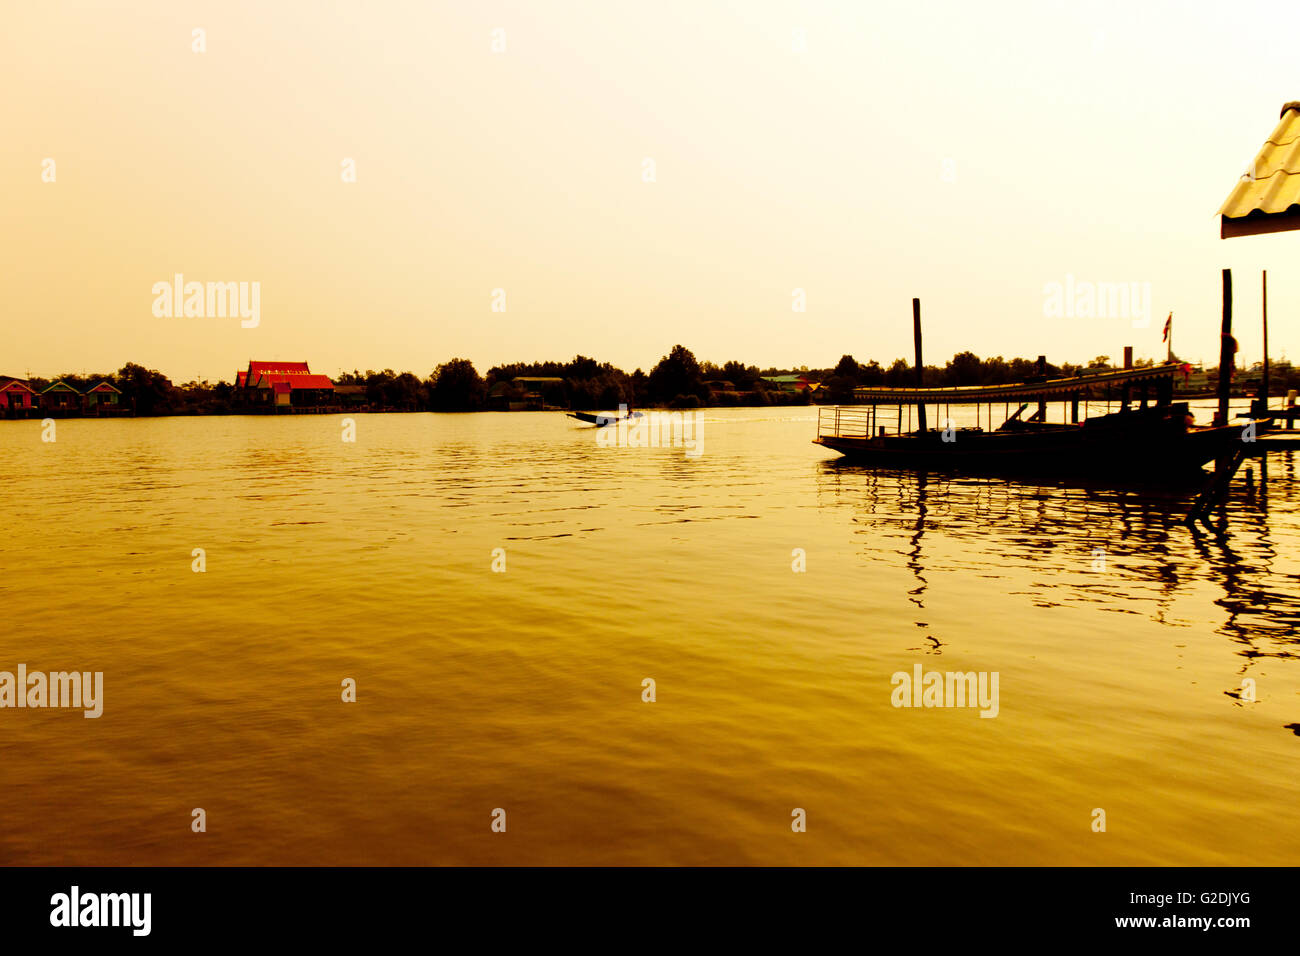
(1120, 686)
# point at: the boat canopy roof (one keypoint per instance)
(1057, 389)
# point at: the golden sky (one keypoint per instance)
(968, 154)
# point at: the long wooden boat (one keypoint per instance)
(600, 421)
(1149, 436)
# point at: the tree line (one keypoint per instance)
(678, 380)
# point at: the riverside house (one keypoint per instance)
(60, 398)
(17, 398)
(104, 399)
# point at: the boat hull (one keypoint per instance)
(600, 421)
(1141, 453)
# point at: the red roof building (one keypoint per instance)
(17, 398)
(282, 385)
(296, 381)
(288, 368)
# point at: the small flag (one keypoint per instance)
(1169, 325)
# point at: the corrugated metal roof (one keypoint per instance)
(1271, 186)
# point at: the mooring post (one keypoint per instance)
(1225, 351)
(1263, 381)
(1040, 372)
(920, 366)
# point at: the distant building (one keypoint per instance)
(1193, 380)
(17, 398)
(352, 396)
(526, 393)
(505, 397)
(103, 399)
(534, 389)
(790, 383)
(277, 386)
(61, 397)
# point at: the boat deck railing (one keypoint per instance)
(862, 421)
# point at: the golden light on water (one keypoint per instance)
(523, 690)
(505, 638)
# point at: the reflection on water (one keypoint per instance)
(1122, 639)
(1137, 543)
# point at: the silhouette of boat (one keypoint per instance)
(1151, 436)
(600, 421)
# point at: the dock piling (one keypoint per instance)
(1226, 359)
(920, 366)
(1262, 411)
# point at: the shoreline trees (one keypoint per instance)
(677, 380)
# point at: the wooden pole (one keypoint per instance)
(1040, 368)
(920, 366)
(1263, 381)
(1225, 351)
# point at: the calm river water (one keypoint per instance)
(1121, 641)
